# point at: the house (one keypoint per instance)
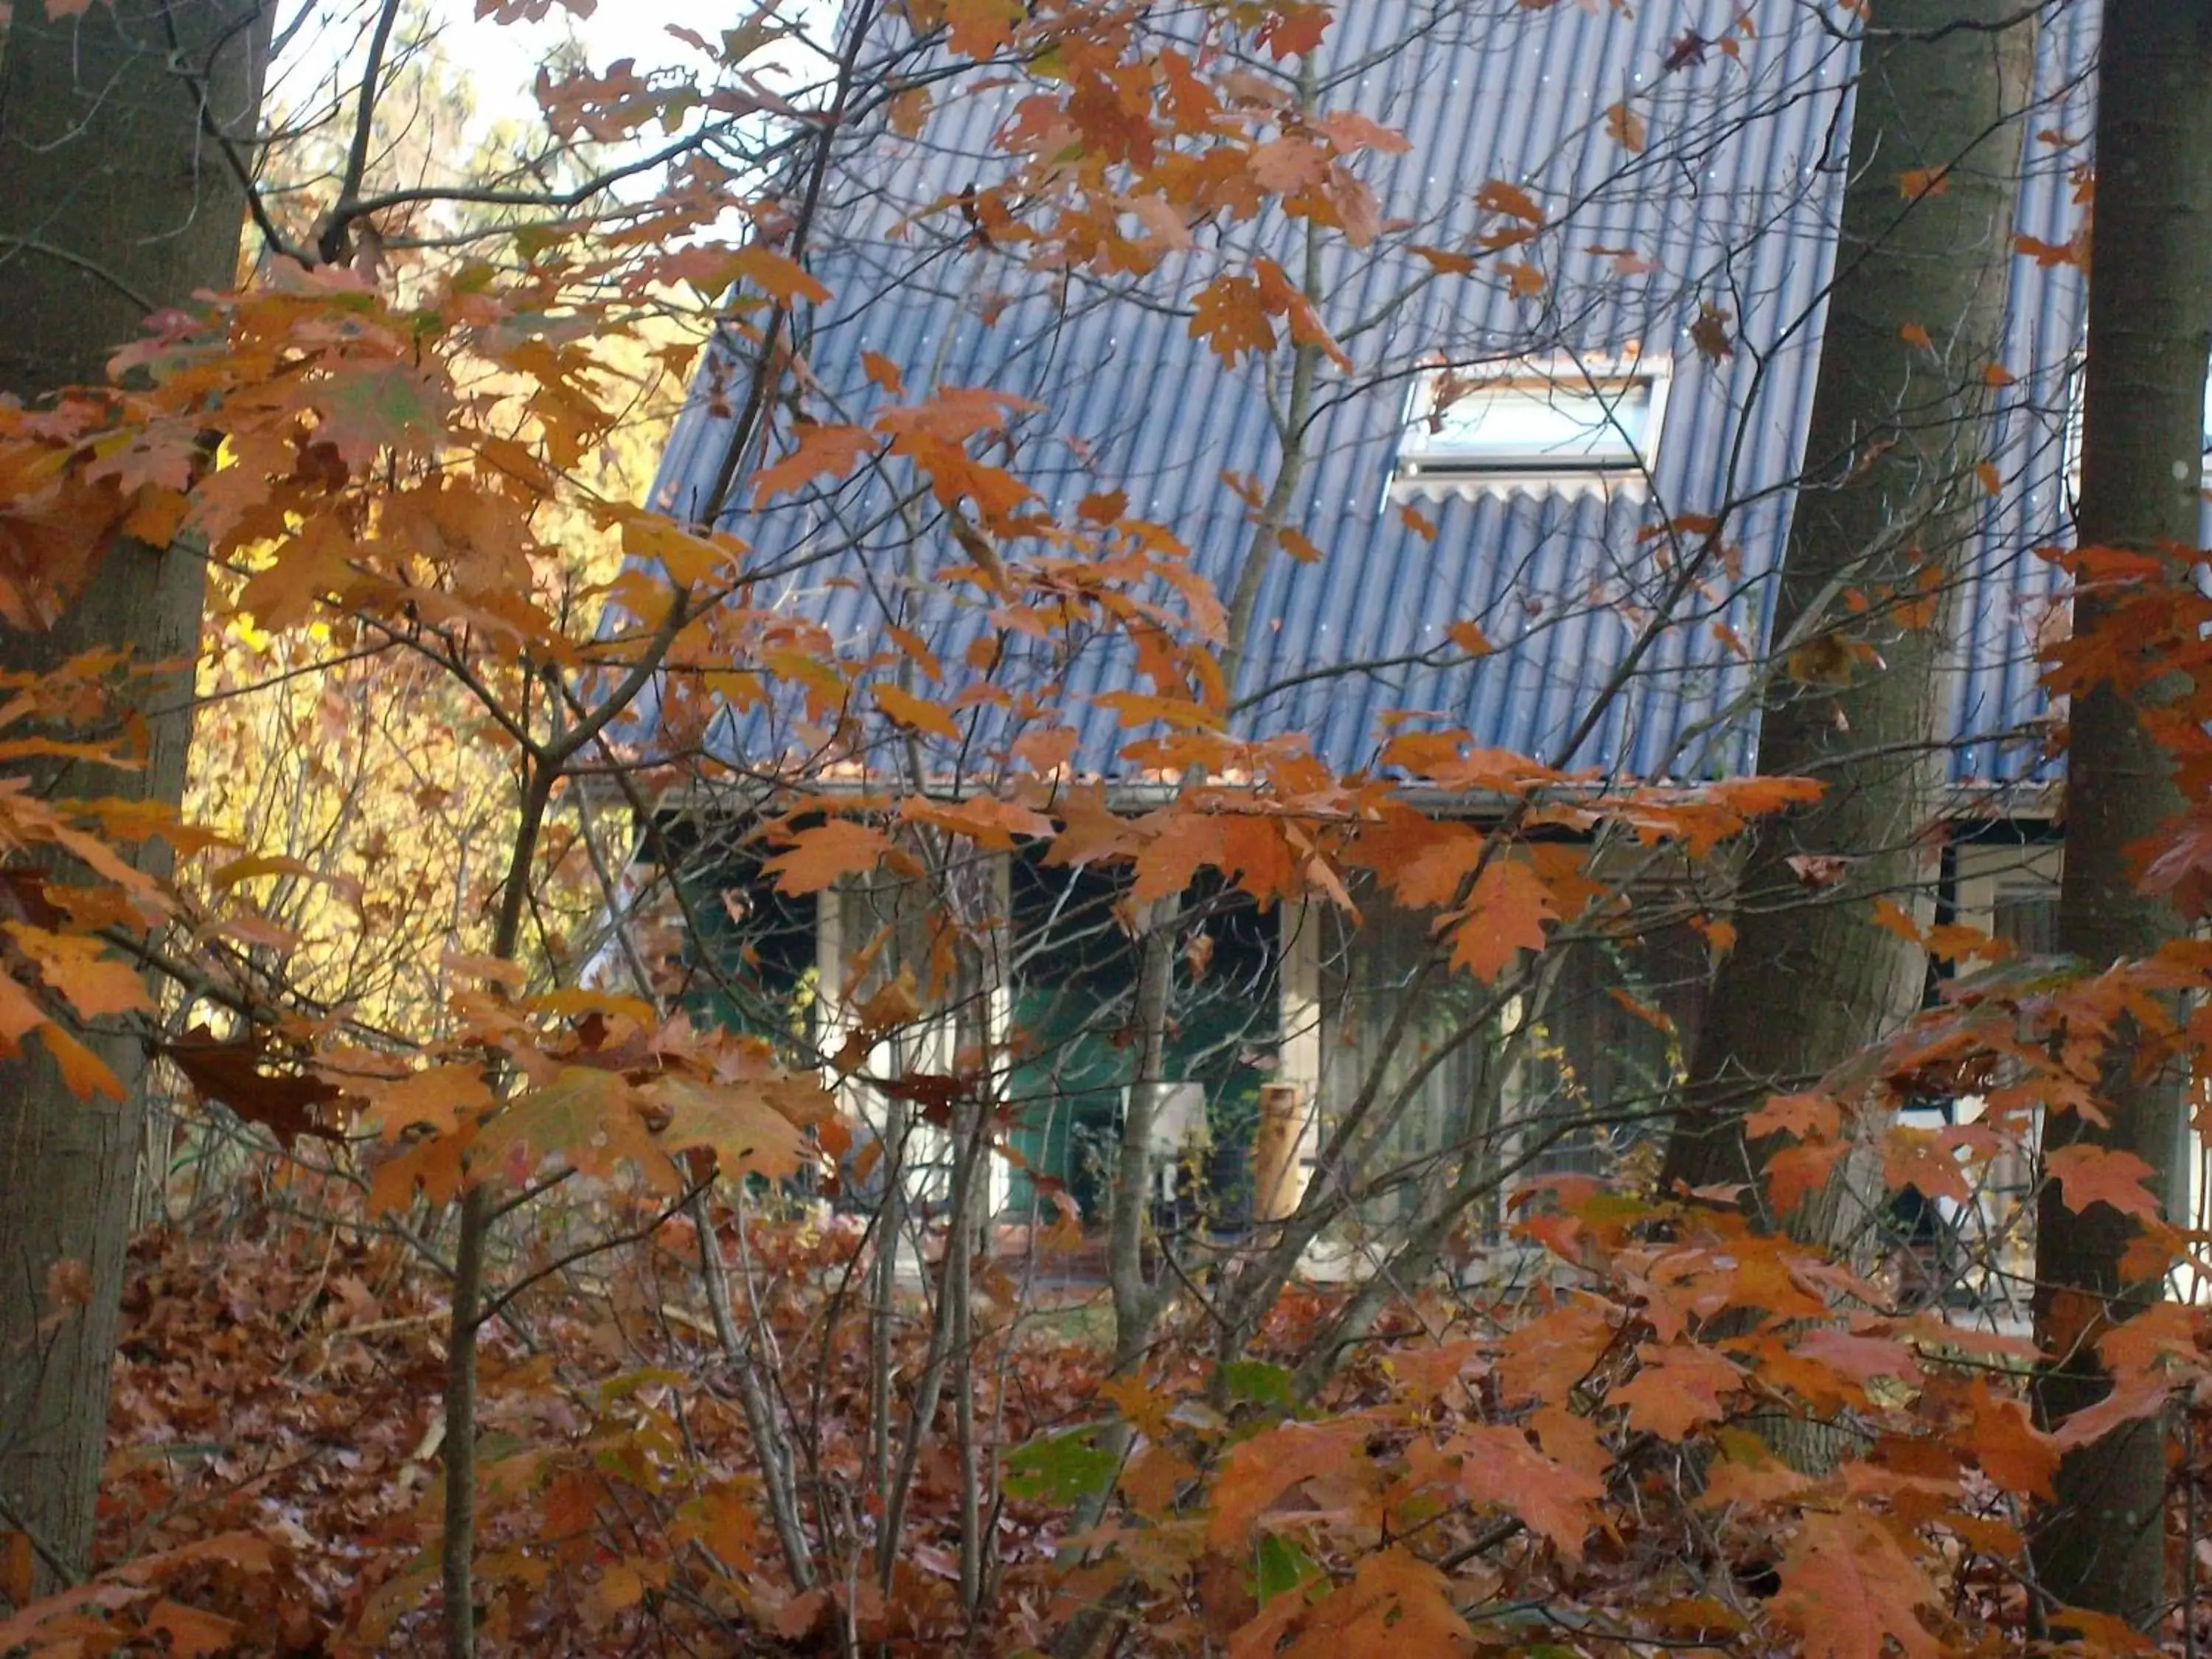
(1488, 464)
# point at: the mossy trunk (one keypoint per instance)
(113, 196)
(1886, 513)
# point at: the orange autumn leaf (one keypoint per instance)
(822, 854)
(883, 372)
(1497, 1466)
(749, 1125)
(434, 1164)
(589, 1118)
(1395, 1603)
(986, 820)
(84, 1073)
(1444, 261)
(2011, 1451)
(1229, 315)
(917, 714)
(1293, 30)
(1525, 280)
(978, 29)
(1498, 196)
(1179, 846)
(820, 451)
(19, 1014)
(1710, 334)
(442, 1097)
(2098, 1174)
(1257, 1472)
(777, 273)
(96, 984)
(1299, 545)
(1849, 1590)
(1677, 1388)
(1504, 916)
(1469, 637)
(1796, 1173)
(192, 1631)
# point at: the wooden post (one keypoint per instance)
(1275, 1153)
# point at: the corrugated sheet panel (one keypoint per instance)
(1732, 203)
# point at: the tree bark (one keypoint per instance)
(1886, 513)
(2100, 1544)
(113, 196)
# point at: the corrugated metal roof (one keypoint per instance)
(1732, 202)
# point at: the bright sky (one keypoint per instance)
(502, 59)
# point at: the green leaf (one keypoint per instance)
(1061, 1468)
(1256, 1383)
(1279, 1565)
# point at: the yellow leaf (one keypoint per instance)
(1625, 127)
(748, 1126)
(443, 1097)
(777, 273)
(916, 714)
(689, 560)
(95, 983)
(585, 1116)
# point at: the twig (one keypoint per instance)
(44, 1551)
(90, 267)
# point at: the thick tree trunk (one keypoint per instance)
(113, 196)
(2101, 1543)
(1887, 510)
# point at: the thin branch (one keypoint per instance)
(90, 267)
(332, 241)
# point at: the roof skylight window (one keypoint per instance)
(1569, 424)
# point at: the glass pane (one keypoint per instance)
(1532, 423)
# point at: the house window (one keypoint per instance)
(1565, 424)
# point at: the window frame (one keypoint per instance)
(1422, 467)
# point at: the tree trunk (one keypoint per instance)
(2100, 1544)
(1887, 512)
(113, 197)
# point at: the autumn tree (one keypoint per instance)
(627, 1223)
(127, 143)
(1898, 471)
(2102, 1541)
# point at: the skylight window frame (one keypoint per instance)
(1422, 466)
